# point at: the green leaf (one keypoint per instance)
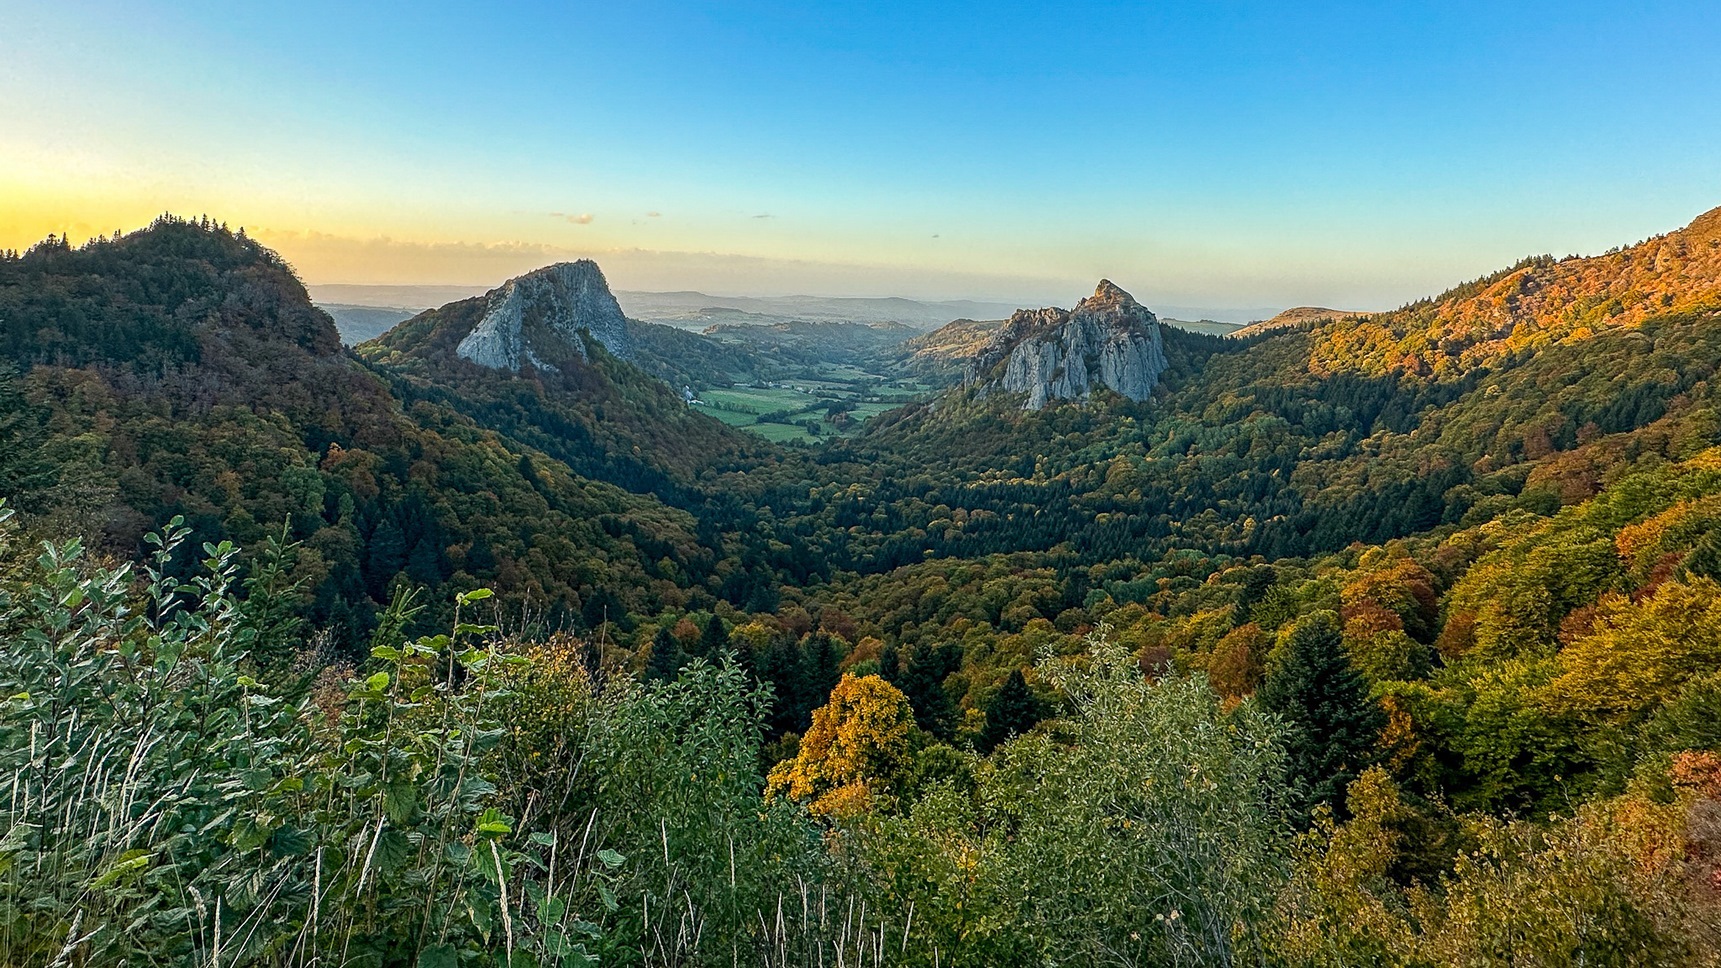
(552, 910)
(475, 595)
(482, 912)
(377, 682)
(399, 801)
(438, 956)
(494, 823)
(289, 842)
(611, 859)
(392, 850)
(130, 862)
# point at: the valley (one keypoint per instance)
(1403, 568)
(860, 485)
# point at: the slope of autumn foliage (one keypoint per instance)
(1532, 305)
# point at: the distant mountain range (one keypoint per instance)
(357, 324)
(360, 312)
(694, 310)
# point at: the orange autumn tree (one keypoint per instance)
(856, 750)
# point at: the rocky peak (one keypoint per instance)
(1108, 294)
(537, 318)
(1108, 340)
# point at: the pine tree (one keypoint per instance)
(714, 639)
(481, 558)
(1014, 709)
(890, 663)
(424, 565)
(1332, 723)
(781, 667)
(922, 681)
(822, 670)
(386, 554)
(665, 662)
(24, 474)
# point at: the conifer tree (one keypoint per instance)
(1014, 709)
(890, 663)
(714, 640)
(822, 669)
(922, 681)
(1332, 723)
(386, 555)
(24, 474)
(665, 662)
(781, 667)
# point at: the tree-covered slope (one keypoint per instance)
(605, 418)
(1537, 303)
(181, 370)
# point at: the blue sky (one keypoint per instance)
(1210, 154)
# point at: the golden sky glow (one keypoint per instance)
(917, 151)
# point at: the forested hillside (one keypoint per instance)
(1537, 303)
(181, 370)
(1383, 640)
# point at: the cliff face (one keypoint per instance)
(1108, 340)
(537, 318)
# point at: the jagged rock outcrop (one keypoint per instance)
(537, 318)
(1108, 340)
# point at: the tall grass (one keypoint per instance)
(163, 805)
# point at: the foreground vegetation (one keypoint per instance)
(184, 784)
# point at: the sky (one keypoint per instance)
(1354, 155)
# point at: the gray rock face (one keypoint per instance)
(537, 318)
(1108, 340)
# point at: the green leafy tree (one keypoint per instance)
(1147, 830)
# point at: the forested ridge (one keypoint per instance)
(1392, 639)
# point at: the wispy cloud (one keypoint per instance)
(765, 215)
(654, 215)
(583, 218)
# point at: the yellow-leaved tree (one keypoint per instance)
(856, 751)
(1639, 654)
